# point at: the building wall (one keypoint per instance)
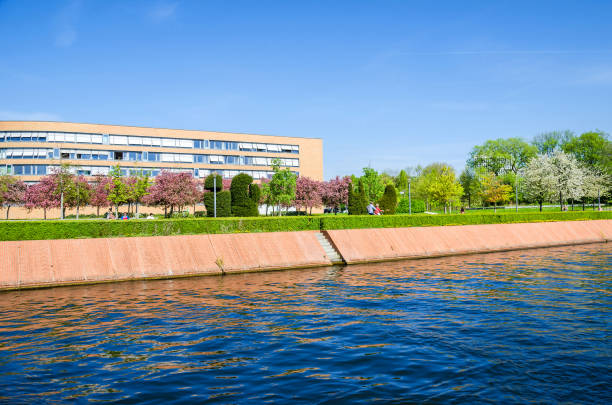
(310, 153)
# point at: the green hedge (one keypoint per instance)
(67, 229)
(402, 221)
(70, 229)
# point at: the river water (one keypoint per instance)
(525, 326)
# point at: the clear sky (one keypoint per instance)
(389, 84)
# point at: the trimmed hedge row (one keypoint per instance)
(67, 229)
(36, 230)
(402, 221)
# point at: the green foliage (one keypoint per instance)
(373, 184)
(402, 181)
(282, 185)
(356, 200)
(199, 214)
(403, 206)
(118, 192)
(388, 202)
(224, 204)
(502, 155)
(593, 149)
(330, 222)
(68, 229)
(255, 196)
(242, 204)
(210, 185)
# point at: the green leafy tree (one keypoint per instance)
(550, 142)
(494, 191)
(593, 149)
(373, 184)
(63, 178)
(402, 181)
(77, 193)
(117, 189)
(443, 188)
(282, 186)
(471, 185)
(388, 202)
(137, 188)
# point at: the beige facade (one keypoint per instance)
(30, 149)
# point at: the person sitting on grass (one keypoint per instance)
(109, 214)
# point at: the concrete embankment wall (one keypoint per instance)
(381, 244)
(68, 261)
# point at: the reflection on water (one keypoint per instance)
(508, 327)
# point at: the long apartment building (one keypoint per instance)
(30, 150)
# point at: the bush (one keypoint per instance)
(255, 196)
(71, 229)
(403, 206)
(199, 214)
(209, 183)
(224, 204)
(358, 202)
(388, 201)
(242, 203)
(402, 221)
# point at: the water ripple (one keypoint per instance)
(514, 327)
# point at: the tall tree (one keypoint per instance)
(471, 185)
(117, 189)
(443, 188)
(77, 194)
(173, 190)
(402, 181)
(308, 193)
(593, 149)
(388, 202)
(335, 192)
(99, 196)
(568, 175)
(539, 175)
(548, 143)
(373, 184)
(12, 192)
(494, 191)
(63, 178)
(242, 203)
(136, 188)
(282, 186)
(42, 195)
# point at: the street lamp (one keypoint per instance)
(215, 194)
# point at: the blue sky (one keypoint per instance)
(389, 84)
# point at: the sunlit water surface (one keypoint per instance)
(509, 327)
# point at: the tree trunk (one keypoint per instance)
(561, 200)
(8, 207)
(495, 207)
(45, 213)
(572, 203)
(583, 204)
(77, 207)
(117, 211)
(165, 211)
(540, 205)
(98, 211)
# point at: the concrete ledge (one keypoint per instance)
(74, 261)
(383, 244)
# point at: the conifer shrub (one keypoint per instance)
(255, 196)
(224, 204)
(388, 202)
(242, 204)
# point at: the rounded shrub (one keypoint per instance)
(403, 206)
(224, 204)
(242, 204)
(388, 202)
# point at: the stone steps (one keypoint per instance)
(329, 249)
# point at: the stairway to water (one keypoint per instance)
(329, 249)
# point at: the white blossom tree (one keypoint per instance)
(569, 176)
(539, 179)
(595, 184)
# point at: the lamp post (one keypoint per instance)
(409, 199)
(215, 194)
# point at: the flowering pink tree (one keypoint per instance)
(42, 195)
(308, 193)
(99, 193)
(335, 192)
(12, 192)
(173, 190)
